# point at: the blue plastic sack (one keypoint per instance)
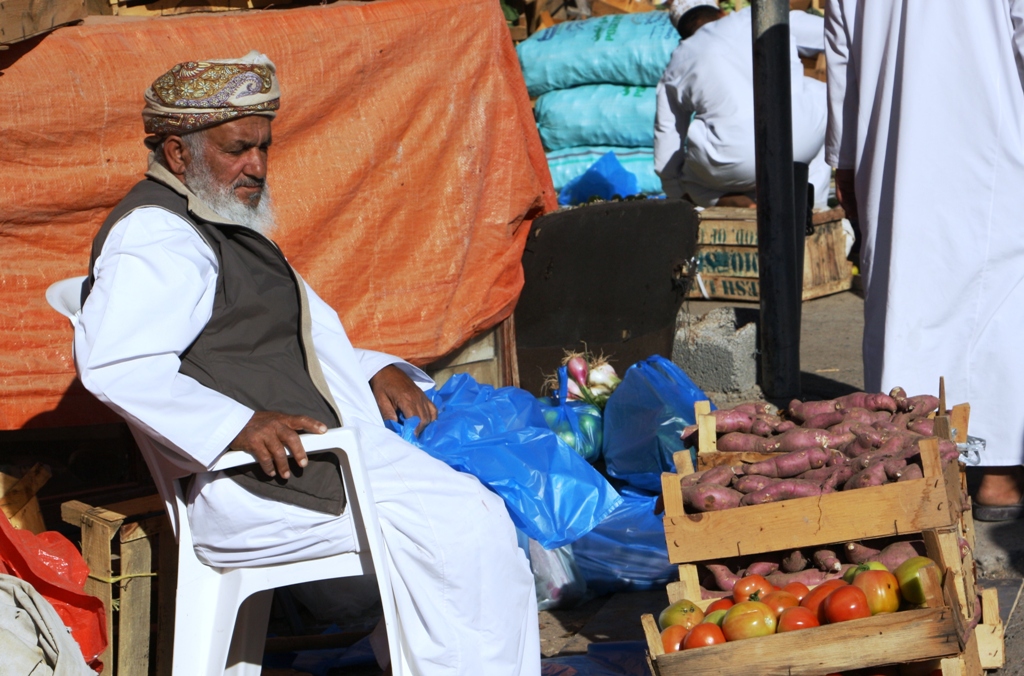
(612, 658)
(577, 423)
(627, 551)
(597, 115)
(643, 420)
(606, 178)
(569, 163)
(500, 436)
(626, 49)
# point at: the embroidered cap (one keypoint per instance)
(195, 95)
(679, 8)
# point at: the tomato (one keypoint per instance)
(797, 589)
(672, 638)
(684, 613)
(793, 619)
(779, 601)
(818, 594)
(702, 635)
(881, 589)
(852, 571)
(751, 588)
(748, 619)
(720, 604)
(715, 617)
(844, 603)
(909, 577)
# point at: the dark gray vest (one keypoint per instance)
(251, 350)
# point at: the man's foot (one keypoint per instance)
(999, 495)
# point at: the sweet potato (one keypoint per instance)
(826, 560)
(901, 420)
(922, 404)
(899, 395)
(817, 476)
(857, 553)
(762, 568)
(810, 577)
(786, 489)
(894, 468)
(757, 408)
(840, 441)
(898, 552)
(838, 478)
(724, 578)
(872, 402)
(911, 472)
(710, 497)
(923, 426)
(706, 594)
(721, 475)
(789, 464)
(835, 458)
(824, 420)
(801, 411)
(766, 425)
(739, 442)
(794, 562)
(798, 439)
(692, 479)
(885, 426)
(751, 483)
(872, 476)
(785, 426)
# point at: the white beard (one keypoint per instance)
(222, 200)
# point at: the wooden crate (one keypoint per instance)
(120, 544)
(22, 19)
(176, 7)
(727, 255)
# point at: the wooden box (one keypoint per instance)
(727, 261)
(22, 19)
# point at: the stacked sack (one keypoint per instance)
(595, 81)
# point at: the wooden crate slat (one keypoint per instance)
(22, 19)
(874, 641)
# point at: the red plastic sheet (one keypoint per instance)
(406, 168)
(53, 566)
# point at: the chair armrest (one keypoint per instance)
(337, 437)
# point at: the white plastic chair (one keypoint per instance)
(221, 614)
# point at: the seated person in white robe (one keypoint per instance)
(704, 127)
(197, 331)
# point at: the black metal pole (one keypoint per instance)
(780, 278)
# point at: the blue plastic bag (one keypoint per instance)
(643, 420)
(612, 658)
(500, 436)
(627, 551)
(568, 163)
(577, 423)
(606, 178)
(597, 115)
(626, 49)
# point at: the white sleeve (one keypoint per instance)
(153, 295)
(1017, 21)
(671, 124)
(841, 134)
(809, 32)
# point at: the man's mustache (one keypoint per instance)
(250, 183)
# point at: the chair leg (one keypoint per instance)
(204, 617)
(246, 655)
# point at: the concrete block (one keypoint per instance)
(714, 353)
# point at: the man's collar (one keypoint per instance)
(162, 174)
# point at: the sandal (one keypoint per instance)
(998, 512)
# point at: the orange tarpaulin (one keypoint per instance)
(405, 167)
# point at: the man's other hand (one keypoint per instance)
(845, 193)
(266, 436)
(396, 392)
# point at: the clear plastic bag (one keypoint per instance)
(578, 424)
(558, 579)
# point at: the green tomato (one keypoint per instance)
(908, 575)
(568, 437)
(715, 617)
(867, 565)
(551, 417)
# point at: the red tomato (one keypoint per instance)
(779, 601)
(748, 619)
(751, 588)
(818, 594)
(702, 635)
(844, 603)
(881, 589)
(797, 589)
(793, 619)
(672, 637)
(720, 604)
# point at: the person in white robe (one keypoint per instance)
(926, 132)
(463, 588)
(704, 124)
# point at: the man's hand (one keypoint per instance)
(846, 194)
(396, 392)
(266, 436)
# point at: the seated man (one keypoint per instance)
(704, 128)
(200, 334)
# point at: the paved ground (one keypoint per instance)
(831, 366)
